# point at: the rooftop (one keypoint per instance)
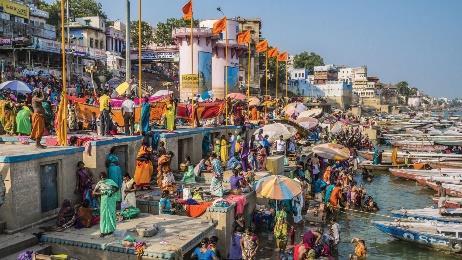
(19, 152)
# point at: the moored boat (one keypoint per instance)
(368, 165)
(448, 202)
(437, 235)
(441, 215)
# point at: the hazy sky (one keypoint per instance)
(419, 41)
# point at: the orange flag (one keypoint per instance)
(243, 37)
(219, 26)
(187, 11)
(273, 52)
(284, 56)
(262, 46)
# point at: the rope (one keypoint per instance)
(365, 212)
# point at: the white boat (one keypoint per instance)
(442, 215)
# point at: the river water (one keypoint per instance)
(390, 193)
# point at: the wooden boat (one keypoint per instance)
(444, 164)
(411, 174)
(448, 202)
(413, 156)
(436, 235)
(378, 167)
(446, 215)
(456, 142)
(442, 179)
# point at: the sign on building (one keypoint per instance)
(153, 56)
(15, 9)
(190, 82)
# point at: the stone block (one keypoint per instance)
(275, 164)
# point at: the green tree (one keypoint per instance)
(272, 76)
(308, 60)
(163, 34)
(147, 34)
(77, 8)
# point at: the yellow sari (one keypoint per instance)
(224, 150)
(170, 117)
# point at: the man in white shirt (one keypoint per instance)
(128, 112)
(281, 145)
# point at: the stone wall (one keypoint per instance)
(23, 189)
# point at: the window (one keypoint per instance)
(101, 45)
(91, 42)
(96, 43)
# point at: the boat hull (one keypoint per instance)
(426, 239)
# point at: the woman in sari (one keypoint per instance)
(223, 149)
(189, 175)
(254, 114)
(114, 171)
(145, 115)
(107, 190)
(9, 117)
(249, 245)
(170, 117)
(376, 156)
(164, 173)
(84, 183)
(23, 121)
(216, 185)
(144, 167)
(49, 116)
(66, 215)
(245, 152)
(128, 192)
(217, 147)
(261, 158)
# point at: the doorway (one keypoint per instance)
(49, 187)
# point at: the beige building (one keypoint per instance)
(88, 37)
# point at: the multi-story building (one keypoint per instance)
(346, 74)
(297, 74)
(325, 73)
(254, 25)
(115, 45)
(87, 41)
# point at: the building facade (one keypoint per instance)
(115, 45)
(254, 26)
(323, 74)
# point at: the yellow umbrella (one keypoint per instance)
(122, 88)
(332, 151)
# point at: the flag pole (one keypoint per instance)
(192, 69)
(248, 80)
(64, 77)
(286, 79)
(226, 72)
(277, 76)
(139, 55)
(266, 82)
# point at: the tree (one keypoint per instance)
(77, 8)
(272, 76)
(147, 34)
(163, 34)
(308, 60)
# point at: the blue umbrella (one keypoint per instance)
(16, 85)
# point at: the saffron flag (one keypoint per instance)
(187, 11)
(262, 46)
(219, 26)
(61, 131)
(284, 56)
(243, 37)
(273, 52)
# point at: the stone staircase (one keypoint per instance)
(12, 245)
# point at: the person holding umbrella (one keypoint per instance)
(38, 118)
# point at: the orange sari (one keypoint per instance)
(144, 167)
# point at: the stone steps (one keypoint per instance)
(15, 243)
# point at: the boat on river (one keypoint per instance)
(413, 156)
(441, 215)
(448, 202)
(368, 165)
(436, 235)
(412, 174)
(444, 164)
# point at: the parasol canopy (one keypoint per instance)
(122, 88)
(16, 85)
(278, 187)
(307, 122)
(238, 96)
(162, 93)
(277, 129)
(332, 151)
(295, 108)
(253, 101)
(310, 113)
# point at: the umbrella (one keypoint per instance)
(122, 88)
(162, 93)
(310, 113)
(277, 129)
(307, 122)
(332, 151)
(238, 96)
(253, 101)
(278, 187)
(16, 85)
(294, 108)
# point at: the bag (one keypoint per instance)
(130, 212)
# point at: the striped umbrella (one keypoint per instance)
(278, 187)
(332, 151)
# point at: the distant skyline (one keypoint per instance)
(419, 41)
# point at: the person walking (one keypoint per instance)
(105, 110)
(128, 112)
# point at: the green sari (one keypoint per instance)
(23, 123)
(108, 221)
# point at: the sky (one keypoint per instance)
(419, 41)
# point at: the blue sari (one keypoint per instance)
(376, 157)
(114, 173)
(145, 114)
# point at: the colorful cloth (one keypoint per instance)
(144, 167)
(114, 172)
(145, 114)
(224, 150)
(240, 201)
(189, 176)
(170, 118)
(23, 123)
(38, 126)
